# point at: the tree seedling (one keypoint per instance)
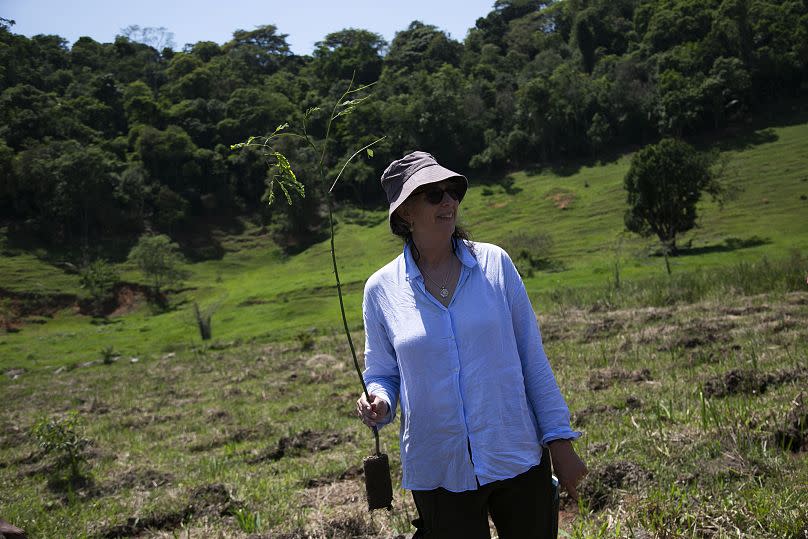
(377, 467)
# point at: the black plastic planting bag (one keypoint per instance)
(378, 484)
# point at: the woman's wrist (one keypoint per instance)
(559, 442)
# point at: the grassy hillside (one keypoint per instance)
(684, 411)
(689, 390)
(578, 212)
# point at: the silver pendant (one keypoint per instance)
(444, 292)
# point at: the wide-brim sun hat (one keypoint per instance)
(405, 175)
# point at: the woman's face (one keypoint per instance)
(432, 209)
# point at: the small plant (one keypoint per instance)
(108, 355)
(306, 341)
(159, 259)
(98, 278)
(61, 439)
(247, 521)
(283, 177)
(531, 252)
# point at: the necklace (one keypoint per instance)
(444, 291)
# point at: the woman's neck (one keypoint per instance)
(434, 254)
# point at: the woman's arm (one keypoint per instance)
(548, 404)
(381, 370)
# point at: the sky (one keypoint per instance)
(305, 21)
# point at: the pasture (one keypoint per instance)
(689, 389)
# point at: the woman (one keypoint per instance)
(451, 333)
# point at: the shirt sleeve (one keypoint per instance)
(549, 407)
(381, 367)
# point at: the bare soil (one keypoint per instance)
(305, 441)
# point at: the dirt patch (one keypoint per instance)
(728, 466)
(351, 473)
(306, 441)
(13, 436)
(240, 435)
(253, 301)
(145, 480)
(352, 526)
(17, 306)
(792, 433)
(698, 334)
(582, 417)
(127, 298)
(217, 414)
(748, 381)
(556, 329)
(146, 419)
(322, 369)
(600, 488)
(603, 378)
(745, 311)
(601, 329)
(207, 500)
(93, 406)
(323, 361)
(561, 199)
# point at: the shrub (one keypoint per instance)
(159, 259)
(306, 340)
(98, 278)
(108, 355)
(531, 252)
(62, 440)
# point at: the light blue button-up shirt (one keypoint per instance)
(478, 397)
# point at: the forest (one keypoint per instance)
(100, 142)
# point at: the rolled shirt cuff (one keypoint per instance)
(560, 434)
(379, 390)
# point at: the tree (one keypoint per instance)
(263, 49)
(664, 183)
(158, 258)
(347, 54)
(98, 278)
(421, 46)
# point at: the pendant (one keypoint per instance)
(444, 292)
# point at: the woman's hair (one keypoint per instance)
(401, 228)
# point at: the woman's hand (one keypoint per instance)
(373, 412)
(567, 465)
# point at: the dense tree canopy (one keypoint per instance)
(103, 140)
(663, 186)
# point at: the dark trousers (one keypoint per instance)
(521, 508)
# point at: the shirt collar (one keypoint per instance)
(411, 268)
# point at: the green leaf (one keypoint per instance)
(370, 152)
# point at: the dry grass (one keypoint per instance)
(185, 441)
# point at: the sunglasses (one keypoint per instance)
(434, 194)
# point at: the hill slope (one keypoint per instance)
(260, 294)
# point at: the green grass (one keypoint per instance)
(186, 440)
(264, 295)
(663, 460)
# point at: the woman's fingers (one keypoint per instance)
(568, 466)
(371, 412)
